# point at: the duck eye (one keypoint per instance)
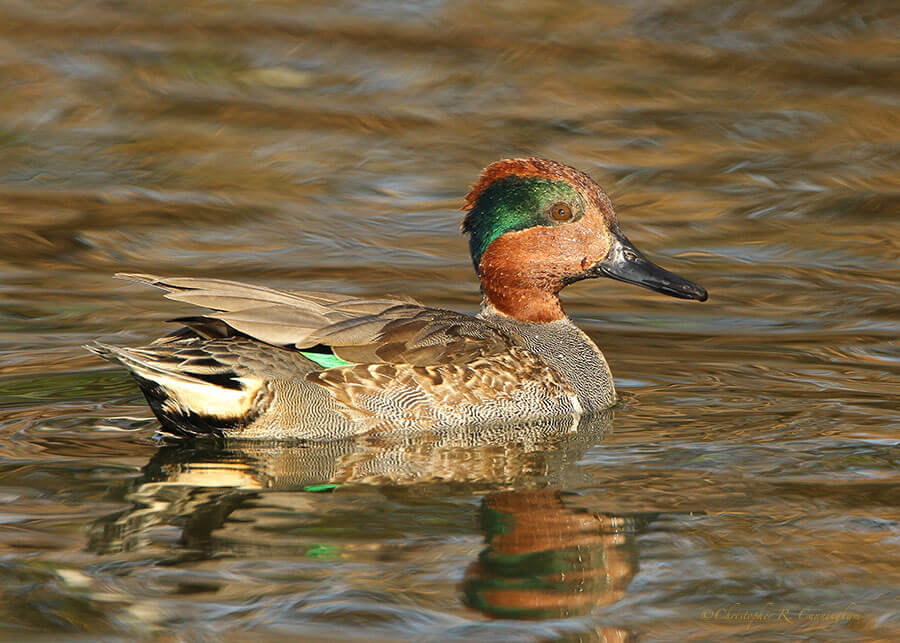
(561, 212)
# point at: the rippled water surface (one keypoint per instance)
(747, 486)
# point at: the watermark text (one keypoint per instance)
(739, 614)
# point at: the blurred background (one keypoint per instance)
(749, 146)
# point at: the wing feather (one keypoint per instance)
(360, 330)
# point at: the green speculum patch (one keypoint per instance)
(510, 204)
(326, 360)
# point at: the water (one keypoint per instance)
(745, 487)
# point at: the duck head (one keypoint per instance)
(537, 226)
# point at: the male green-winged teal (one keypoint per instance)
(269, 363)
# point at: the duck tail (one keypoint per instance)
(189, 401)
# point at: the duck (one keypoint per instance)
(261, 363)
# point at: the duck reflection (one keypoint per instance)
(545, 557)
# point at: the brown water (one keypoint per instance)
(752, 466)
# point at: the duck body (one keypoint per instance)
(271, 364)
(355, 366)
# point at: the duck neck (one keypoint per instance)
(522, 299)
